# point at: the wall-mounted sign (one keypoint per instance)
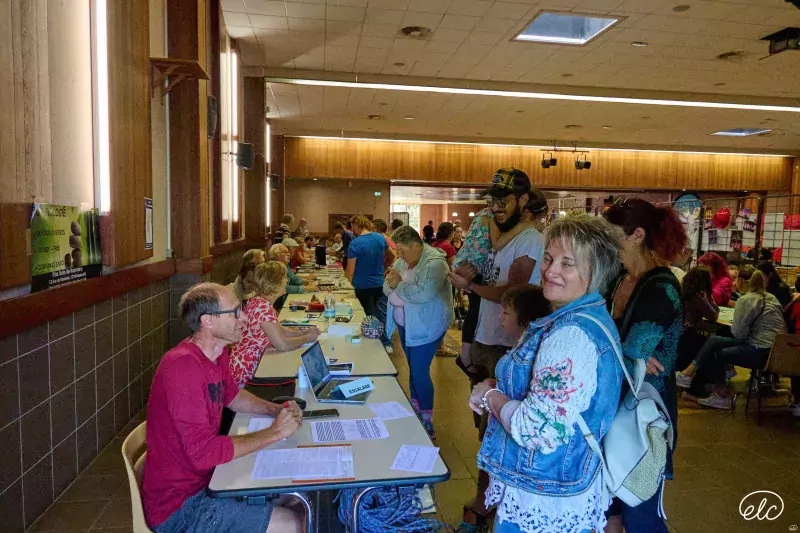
(148, 223)
(65, 245)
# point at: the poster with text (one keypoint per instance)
(65, 245)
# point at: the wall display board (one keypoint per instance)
(65, 245)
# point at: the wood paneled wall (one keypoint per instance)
(465, 163)
(129, 129)
(254, 190)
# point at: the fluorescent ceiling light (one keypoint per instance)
(534, 95)
(741, 132)
(565, 28)
(579, 149)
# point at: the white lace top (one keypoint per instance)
(564, 381)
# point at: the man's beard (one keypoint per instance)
(509, 224)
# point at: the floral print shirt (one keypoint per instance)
(477, 242)
(246, 354)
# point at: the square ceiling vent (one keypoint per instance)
(565, 28)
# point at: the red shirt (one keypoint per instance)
(298, 259)
(246, 354)
(183, 418)
(449, 249)
(390, 242)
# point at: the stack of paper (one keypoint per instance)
(326, 462)
(389, 410)
(348, 430)
(416, 458)
(257, 424)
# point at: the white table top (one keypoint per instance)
(369, 358)
(372, 458)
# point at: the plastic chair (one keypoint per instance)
(134, 445)
(784, 360)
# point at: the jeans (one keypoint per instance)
(419, 365)
(374, 303)
(204, 514)
(644, 517)
(718, 353)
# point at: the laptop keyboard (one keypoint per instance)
(329, 388)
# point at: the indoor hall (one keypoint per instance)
(148, 145)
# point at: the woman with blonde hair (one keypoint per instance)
(262, 332)
(757, 320)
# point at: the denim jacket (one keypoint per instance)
(428, 298)
(572, 466)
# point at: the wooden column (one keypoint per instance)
(795, 185)
(278, 175)
(188, 127)
(255, 124)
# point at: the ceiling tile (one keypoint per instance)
(348, 3)
(388, 4)
(345, 14)
(236, 6)
(384, 16)
(639, 6)
(379, 30)
(425, 20)
(241, 32)
(372, 54)
(458, 22)
(472, 8)
(498, 25)
(430, 6)
(441, 47)
(338, 27)
(451, 36)
(308, 11)
(368, 67)
(266, 7)
(484, 37)
(302, 24)
(235, 19)
(267, 22)
(509, 10)
(382, 43)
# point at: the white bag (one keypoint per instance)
(636, 443)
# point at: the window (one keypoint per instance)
(413, 213)
(566, 28)
(230, 198)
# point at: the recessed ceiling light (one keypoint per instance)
(572, 126)
(565, 28)
(734, 55)
(399, 64)
(606, 127)
(639, 44)
(741, 132)
(375, 117)
(567, 75)
(533, 95)
(383, 104)
(719, 84)
(417, 32)
(681, 8)
(520, 111)
(408, 117)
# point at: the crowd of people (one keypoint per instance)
(550, 307)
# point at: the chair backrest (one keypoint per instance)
(134, 445)
(784, 358)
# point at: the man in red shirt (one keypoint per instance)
(191, 386)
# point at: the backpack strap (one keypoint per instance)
(641, 366)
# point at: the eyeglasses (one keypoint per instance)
(236, 311)
(499, 202)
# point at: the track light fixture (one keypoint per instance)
(581, 163)
(548, 160)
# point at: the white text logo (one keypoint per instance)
(761, 505)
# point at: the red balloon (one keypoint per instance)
(722, 218)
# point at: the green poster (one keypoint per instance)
(65, 245)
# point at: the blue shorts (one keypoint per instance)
(203, 514)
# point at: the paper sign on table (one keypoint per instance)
(357, 386)
(347, 430)
(337, 330)
(257, 424)
(390, 410)
(416, 458)
(331, 462)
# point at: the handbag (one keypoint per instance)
(635, 448)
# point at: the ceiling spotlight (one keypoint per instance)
(681, 8)
(545, 162)
(408, 117)
(639, 44)
(548, 160)
(455, 214)
(471, 213)
(582, 163)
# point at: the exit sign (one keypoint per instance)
(377, 193)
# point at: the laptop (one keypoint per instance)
(324, 385)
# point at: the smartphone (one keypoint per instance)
(320, 413)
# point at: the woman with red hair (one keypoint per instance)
(647, 307)
(721, 283)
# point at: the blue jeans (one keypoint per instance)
(717, 354)
(419, 365)
(644, 517)
(510, 527)
(204, 514)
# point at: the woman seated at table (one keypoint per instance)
(757, 320)
(295, 253)
(697, 307)
(544, 476)
(262, 332)
(721, 284)
(775, 285)
(741, 285)
(421, 309)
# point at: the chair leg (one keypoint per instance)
(758, 408)
(749, 393)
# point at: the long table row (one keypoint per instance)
(372, 458)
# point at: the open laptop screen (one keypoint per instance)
(315, 365)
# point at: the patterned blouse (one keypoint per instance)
(246, 354)
(477, 242)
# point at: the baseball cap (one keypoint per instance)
(507, 181)
(290, 243)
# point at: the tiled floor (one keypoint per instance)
(720, 459)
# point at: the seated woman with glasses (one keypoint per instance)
(262, 332)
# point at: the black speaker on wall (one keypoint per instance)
(245, 156)
(212, 116)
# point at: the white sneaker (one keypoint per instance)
(716, 402)
(682, 380)
(389, 350)
(794, 408)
